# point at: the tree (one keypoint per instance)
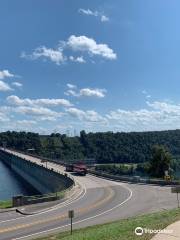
(160, 162)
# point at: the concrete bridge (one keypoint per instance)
(45, 180)
(99, 201)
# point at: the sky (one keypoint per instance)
(103, 65)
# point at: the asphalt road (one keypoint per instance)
(99, 201)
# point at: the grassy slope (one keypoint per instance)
(6, 204)
(123, 229)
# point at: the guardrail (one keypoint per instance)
(27, 200)
(133, 179)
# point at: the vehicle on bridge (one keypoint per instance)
(79, 168)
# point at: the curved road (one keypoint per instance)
(99, 201)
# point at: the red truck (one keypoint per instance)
(79, 168)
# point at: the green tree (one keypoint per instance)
(160, 162)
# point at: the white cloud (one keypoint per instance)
(77, 59)
(48, 118)
(86, 92)
(17, 84)
(4, 86)
(37, 111)
(55, 55)
(89, 12)
(157, 115)
(4, 117)
(89, 45)
(144, 92)
(104, 18)
(89, 115)
(26, 123)
(5, 73)
(63, 53)
(71, 86)
(160, 116)
(71, 92)
(15, 100)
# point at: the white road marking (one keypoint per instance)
(53, 208)
(83, 220)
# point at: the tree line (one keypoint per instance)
(104, 147)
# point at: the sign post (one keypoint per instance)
(71, 215)
(177, 191)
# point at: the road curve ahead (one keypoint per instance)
(100, 201)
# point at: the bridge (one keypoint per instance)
(98, 201)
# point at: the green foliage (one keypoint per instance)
(107, 147)
(115, 169)
(160, 162)
(143, 168)
(5, 204)
(122, 229)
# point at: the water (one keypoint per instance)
(11, 184)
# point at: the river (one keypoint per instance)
(11, 184)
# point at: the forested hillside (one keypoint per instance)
(104, 147)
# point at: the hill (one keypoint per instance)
(105, 147)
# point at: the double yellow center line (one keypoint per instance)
(96, 204)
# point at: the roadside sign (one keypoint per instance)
(71, 215)
(177, 191)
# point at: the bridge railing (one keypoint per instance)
(27, 200)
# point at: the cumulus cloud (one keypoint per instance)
(89, 115)
(4, 87)
(81, 44)
(54, 55)
(5, 74)
(160, 116)
(86, 92)
(89, 12)
(15, 100)
(157, 115)
(26, 123)
(37, 111)
(89, 45)
(77, 59)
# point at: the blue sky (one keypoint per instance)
(96, 65)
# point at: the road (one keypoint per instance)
(99, 201)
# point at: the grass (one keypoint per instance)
(5, 204)
(123, 229)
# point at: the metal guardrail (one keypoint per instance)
(33, 199)
(134, 179)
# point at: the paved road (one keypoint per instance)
(99, 201)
